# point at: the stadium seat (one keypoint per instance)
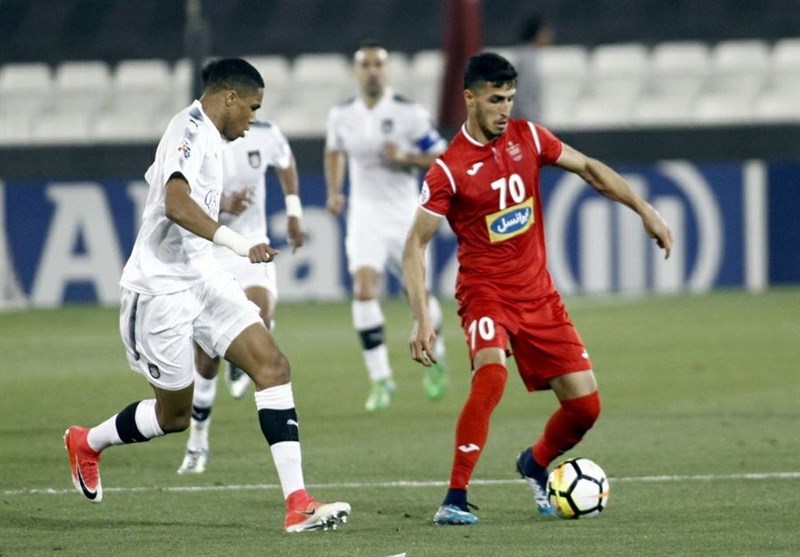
(319, 81)
(427, 69)
(141, 86)
(81, 87)
(616, 77)
(120, 127)
(738, 68)
(400, 77)
(600, 112)
(661, 110)
(778, 106)
(25, 88)
(61, 128)
(181, 94)
(786, 55)
(15, 129)
(618, 70)
(277, 74)
(677, 70)
(722, 108)
(784, 74)
(564, 71)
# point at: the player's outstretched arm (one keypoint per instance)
(181, 209)
(423, 335)
(606, 181)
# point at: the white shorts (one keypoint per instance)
(260, 275)
(158, 331)
(371, 244)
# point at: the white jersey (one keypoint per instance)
(166, 257)
(380, 190)
(244, 163)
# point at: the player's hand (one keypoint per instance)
(656, 227)
(423, 337)
(262, 253)
(392, 153)
(335, 204)
(295, 234)
(235, 202)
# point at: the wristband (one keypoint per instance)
(293, 206)
(234, 241)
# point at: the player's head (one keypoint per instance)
(237, 89)
(536, 30)
(490, 82)
(369, 61)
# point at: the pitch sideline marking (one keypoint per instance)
(407, 484)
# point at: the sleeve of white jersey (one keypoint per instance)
(332, 140)
(184, 153)
(281, 151)
(426, 137)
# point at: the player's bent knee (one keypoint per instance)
(176, 423)
(272, 369)
(584, 410)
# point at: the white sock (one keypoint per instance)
(367, 315)
(285, 454)
(377, 362)
(205, 391)
(289, 463)
(106, 433)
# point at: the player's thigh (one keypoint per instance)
(485, 332)
(226, 312)
(547, 346)
(206, 366)
(366, 245)
(157, 334)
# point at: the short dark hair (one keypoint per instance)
(491, 68)
(231, 73)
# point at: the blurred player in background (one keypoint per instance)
(487, 186)
(175, 294)
(243, 209)
(384, 138)
(537, 33)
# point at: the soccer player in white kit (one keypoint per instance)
(243, 209)
(384, 138)
(174, 292)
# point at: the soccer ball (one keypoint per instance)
(577, 488)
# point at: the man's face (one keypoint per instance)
(489, 107)
(241, 112)
(370, 70)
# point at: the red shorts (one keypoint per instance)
(538, 333)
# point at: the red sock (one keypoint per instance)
(566, 427)
(472, 428)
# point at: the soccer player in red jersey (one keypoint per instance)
(487, 185)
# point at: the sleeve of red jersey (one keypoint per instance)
(437, 190)
(549, 145)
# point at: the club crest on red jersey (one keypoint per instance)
(514, 151)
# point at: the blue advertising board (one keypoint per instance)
(735, 225)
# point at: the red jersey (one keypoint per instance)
(490, 195)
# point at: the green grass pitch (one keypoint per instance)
(700, 435)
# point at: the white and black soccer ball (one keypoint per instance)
(577, 488)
